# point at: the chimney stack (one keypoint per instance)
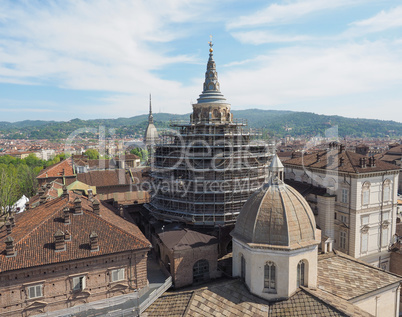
(66, 215)
(67, 236)
(12, 220)
(59, 243)
(8, 227)
(93, 241)
(318, 157)
(121, 211)
(77, 206)
(42, 200)
(95, 206)
(341, 161)
(65, 192)
(27, 206)
(10, 247)
(41, 192)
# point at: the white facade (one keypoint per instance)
(286, 268)
(358, 212)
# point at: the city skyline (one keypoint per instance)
(100, 59)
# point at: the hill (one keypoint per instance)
(276, 123)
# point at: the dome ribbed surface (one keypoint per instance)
(276, 215)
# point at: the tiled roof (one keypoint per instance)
(231, 298)
(347, 278)
(330, 160)
(56, 170)
(278, 216)
(185, 239)
(34, 230)
(105, 178)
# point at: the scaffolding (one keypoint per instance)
(205, 171)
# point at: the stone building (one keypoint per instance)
(189, 256)
(353, 198)
(279, 270)
(207, 170)
(394, 156)
(66, 252)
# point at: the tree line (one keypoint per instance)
(18, 178)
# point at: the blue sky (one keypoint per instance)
(61, 60)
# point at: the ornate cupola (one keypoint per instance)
(211, 106)
(275, 240)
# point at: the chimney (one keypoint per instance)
(12, 220)
(121, 211)
(42, 200)
(59, 244)
(318, 157)
(77, 206)
(8, 226)
(95, 206)
(10, 247)
(372, 162)
(341, 161)
(48, 185)
(66, 215)
(67, 236)
(41, 192)
(90, 194)
(93, 241)
(364, 164)
(65, 192)
(341, 148)
(27, 206)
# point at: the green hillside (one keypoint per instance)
(273, 122)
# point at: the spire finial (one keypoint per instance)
(150, 117)
(210, 44)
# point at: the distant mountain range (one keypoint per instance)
(272, 122)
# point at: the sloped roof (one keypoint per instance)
(231, 298)
(34, 230)
(185, 239)
(105, 178)
(57, 169)
(347, 277)
(330, 160)
(276, 216)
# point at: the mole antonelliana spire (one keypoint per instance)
(151, 134)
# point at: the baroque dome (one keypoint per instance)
(276, 216)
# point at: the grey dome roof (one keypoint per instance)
(151, 135)
(276, 216)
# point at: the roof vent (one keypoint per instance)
(95, 206)
(65, 192)
(66, 215)
(59, 243)
(12, 220)
(10, 247)
(8, 227)
(77, 206)
(93, 241)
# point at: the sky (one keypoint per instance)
(91, 59)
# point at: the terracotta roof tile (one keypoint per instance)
(330, 160)
(56, 170)
(34, 230)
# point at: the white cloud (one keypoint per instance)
(261, 37)
(282, 13)
(382, 21)
(299, 77)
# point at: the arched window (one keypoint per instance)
(200, 271)
(242, 267)
(301, 273)
(270, 277)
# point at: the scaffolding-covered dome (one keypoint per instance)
(277, 216)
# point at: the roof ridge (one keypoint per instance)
(113, 225)
(348, 257)
(51, 202)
